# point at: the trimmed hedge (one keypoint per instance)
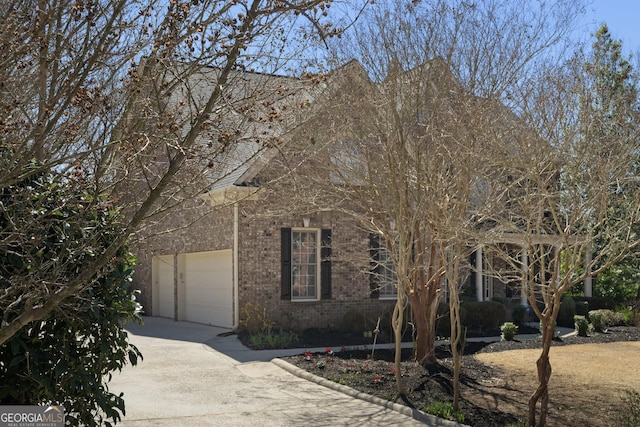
(519, 314)
(484, 315)
(597, 303)
(582, 308)
(443, 322)
(567, 312)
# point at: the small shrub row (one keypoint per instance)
(256, 320)
(600, 321)
(502, 300)
(268, 341)
(444, 410)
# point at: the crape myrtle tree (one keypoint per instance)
(569, 186)
(100, 116)
(101, 74)
(404, 137)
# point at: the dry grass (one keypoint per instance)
(586, 383)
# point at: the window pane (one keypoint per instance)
(304, 256)
(388, 277)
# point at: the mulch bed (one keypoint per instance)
(357, 369)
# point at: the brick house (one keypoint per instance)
(239, 243)
(234, 245)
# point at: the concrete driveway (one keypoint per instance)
(186, 379)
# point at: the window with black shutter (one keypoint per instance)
(305, 264)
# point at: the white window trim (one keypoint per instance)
(317, 231)
(381, 295)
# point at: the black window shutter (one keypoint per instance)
(285, 256)
(325, 264)
(374, 253)
(472, 269)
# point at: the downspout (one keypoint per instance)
(479, 290)
(588, 281)
(525, 278)
(236, 309)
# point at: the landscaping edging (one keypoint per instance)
(416, 414)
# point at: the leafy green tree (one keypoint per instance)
(67, 358)
(612, 109)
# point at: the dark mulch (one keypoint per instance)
(357, 368)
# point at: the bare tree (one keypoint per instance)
(112, 105)
(569, 186)
(399, 159)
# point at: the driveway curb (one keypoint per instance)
(428, 419)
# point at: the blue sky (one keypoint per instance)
(622, 17)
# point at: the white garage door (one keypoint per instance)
(164, 286)
(208, 288)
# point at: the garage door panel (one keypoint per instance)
(208, 288)
(165, 286)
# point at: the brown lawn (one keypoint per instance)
(586, 383)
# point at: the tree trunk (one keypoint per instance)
(424, 315)
(456, 343)
(544, 374)
(397, 320)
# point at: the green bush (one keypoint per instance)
(598, 320)
(68, 360)
(519, 314)
(631, 316)
(509, 331)
(618, 319)
(255, 319)
(597, 303)
(444, 410)
(443, 321)
(567, 312)
(484, 315)
(500, 299)
(581, 325)
(269, 341)
(602, 319)
(68, 357)
(629, 413)
(582, 308)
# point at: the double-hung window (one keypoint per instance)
(306, 264)
(388, 279)
(383, 277)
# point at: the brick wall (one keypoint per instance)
(260, 264)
